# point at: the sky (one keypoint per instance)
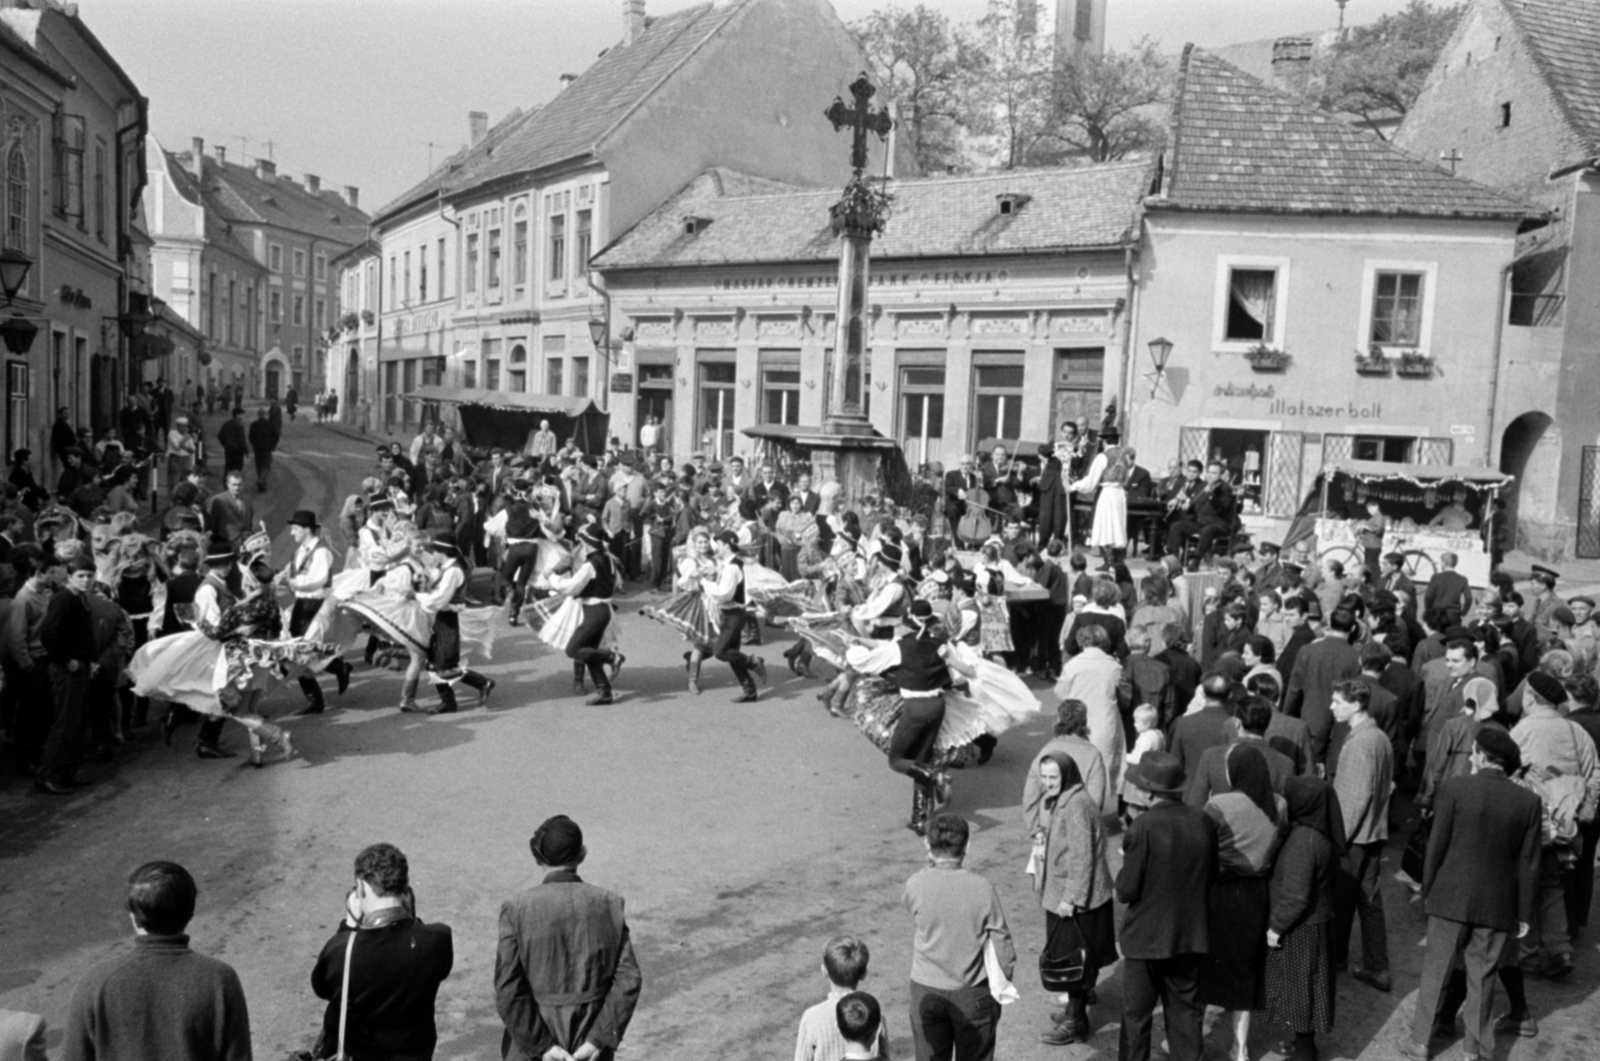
(367, 92)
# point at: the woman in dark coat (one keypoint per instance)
(1075, 890)
(1249, 821)
(1299, 971)
(1052, 488)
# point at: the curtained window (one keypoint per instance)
(1252, 305)
(1397, 309)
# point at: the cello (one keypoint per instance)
(975, 524)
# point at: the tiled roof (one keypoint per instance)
(1091, 206)
(1565, 40)
(235, 193)
(459, 168)
(1240, 146)
(14, 42)
(574, 123)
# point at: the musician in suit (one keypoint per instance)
(1076, 458)
(1052, 494)
(1144, 511)
(1176, 491)
(1169, 860)
(1000, 479)
(957, 484)
(1479, 882)
(1210, 514)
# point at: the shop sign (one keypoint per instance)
(622, 383)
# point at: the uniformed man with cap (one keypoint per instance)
(308, 575)
(1544, 603)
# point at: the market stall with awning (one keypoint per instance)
(507, 420)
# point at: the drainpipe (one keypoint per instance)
(1125, 386)
(605, 354)
(1494, 370)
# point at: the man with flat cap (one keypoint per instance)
(1169, 860)
(1478, 888)
(565, 977)
(1540, 608)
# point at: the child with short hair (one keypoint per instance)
(860, 1022)
(1150, 739)
(821, 1036)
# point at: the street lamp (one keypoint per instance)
(1160, 352)
(18, 333)
(14, 266)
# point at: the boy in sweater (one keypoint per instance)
(823, 1036)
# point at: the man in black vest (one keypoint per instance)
(308, 575)
(593, 583)
(727, 591)
(522, 550)
(1169, 861)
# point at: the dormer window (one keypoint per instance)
(1011, 202)
(694, 225)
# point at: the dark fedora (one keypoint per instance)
(1159, 773)
(304, 518)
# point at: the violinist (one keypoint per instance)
(1001, 478)
(1210, 514)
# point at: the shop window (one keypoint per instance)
(780, 396)
(1241, 453)
(997, 393)
(1391, 449)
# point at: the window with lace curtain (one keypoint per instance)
(1252, 305)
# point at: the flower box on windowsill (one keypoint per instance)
(1264, 358)
(1415, 365)
(1374, 364)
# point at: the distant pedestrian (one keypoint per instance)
(263, 440)
(565, 978)
(958, 917)
(396, 961)
(291, 401)
(234, 442)
(161, 1000)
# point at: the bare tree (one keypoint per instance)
(1111, 105)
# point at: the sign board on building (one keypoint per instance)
(1463, 429)
(622, 383)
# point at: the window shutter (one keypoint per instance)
(1194, 444)
(1436, 450)
(1281, 491)
(1337, 448)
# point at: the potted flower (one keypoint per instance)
(1264, 358)
(366, 316)
(1415, 363)
(349, 322)
(1373, 363)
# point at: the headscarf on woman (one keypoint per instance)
(1249, 776)
(1071, 776)
(1313, 804)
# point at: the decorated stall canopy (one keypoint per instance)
(1422, 512)
(506, 420)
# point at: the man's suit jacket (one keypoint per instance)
(1140, 487)
(810, 501)
(1317, 667)
(1215, 504)
(1385, 711)
(1149, 682)
(1116, 630)
(1211, 778)
(1483, 853)
(230, 519)
(1184, 673)
(1169, 860)
(1448, 590)
(1192, 734)
(1399, 582)
(565, 973)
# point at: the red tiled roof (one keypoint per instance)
(1564, 37)
(1240, 146)
(1091, 206)
(574, 123)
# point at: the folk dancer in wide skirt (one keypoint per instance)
(308, 576)
(689, 610)
(382, 547)
(224, 666)
(727, 591)
(874, 617)
(581, 623)
(442, 598)
(919, 664)
(1109, 471)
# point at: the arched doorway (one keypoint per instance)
(1531, 451)
(274, 382)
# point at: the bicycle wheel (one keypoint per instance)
(1418, 565)
(1347, 555)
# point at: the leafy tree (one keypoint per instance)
(1108, 106)
(1378, 70)
(1012, 104)
(925, 64)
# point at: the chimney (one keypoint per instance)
(197, 159)
(567, 79)
(266, 170)
(478, 126)
(313, 183)
(222, 153)
(352, 195)
(632, 20)
(1291, 63)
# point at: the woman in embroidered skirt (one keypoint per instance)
(1249, 819)
(688, 610)
(1299, 972)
